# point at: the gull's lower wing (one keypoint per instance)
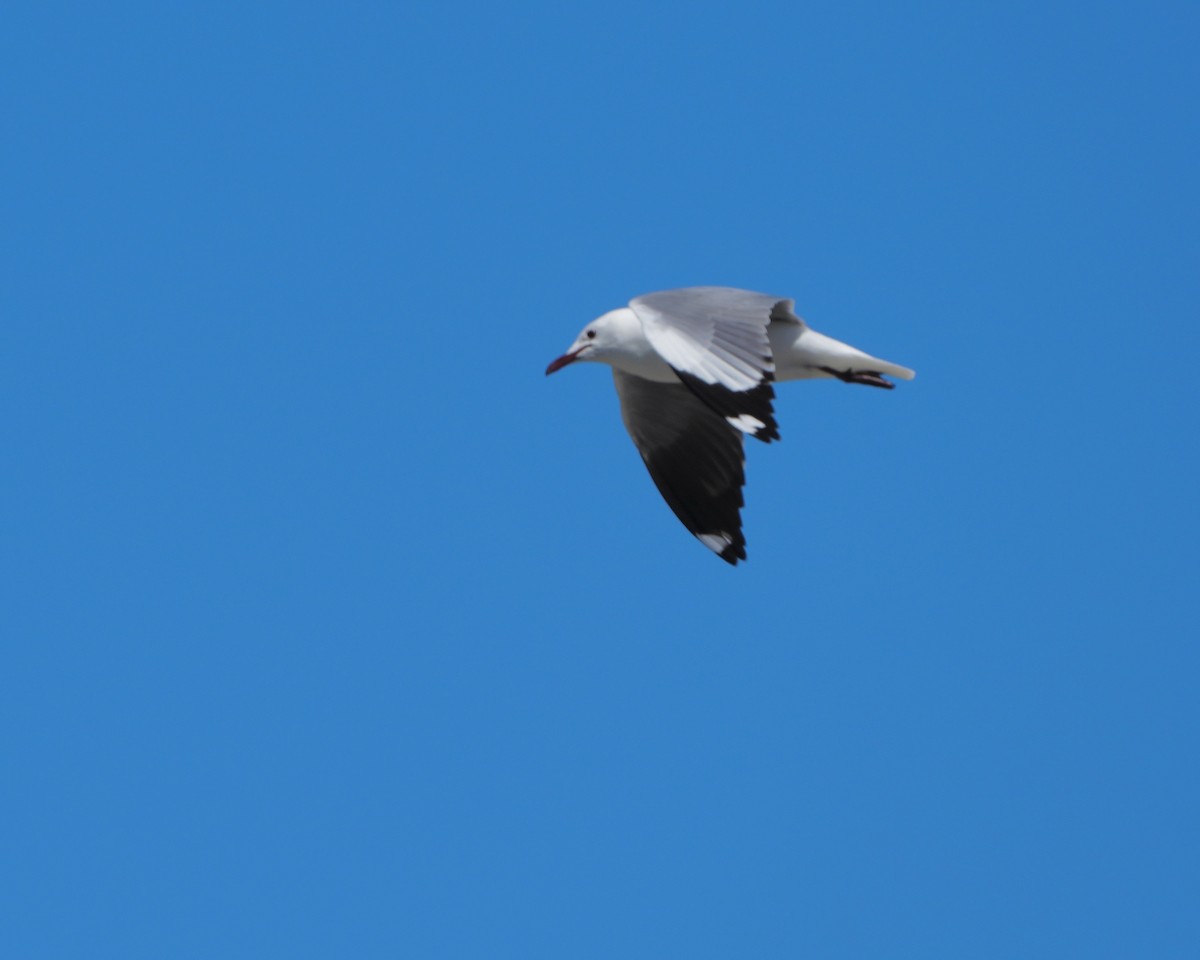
(694, 456)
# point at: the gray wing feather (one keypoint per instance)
(716, 334)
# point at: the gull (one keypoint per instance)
(693, 369)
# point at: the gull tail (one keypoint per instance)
(817, 352)
(891, 369)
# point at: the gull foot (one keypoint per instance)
(869, 378)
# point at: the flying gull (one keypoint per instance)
(693, 369)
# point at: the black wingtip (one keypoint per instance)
(730, 547)
(733, 551)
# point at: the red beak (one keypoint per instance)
(563, 361)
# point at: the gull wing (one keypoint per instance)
(694, 456)
(715, 339)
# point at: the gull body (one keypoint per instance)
(799, 351)
(694, 369)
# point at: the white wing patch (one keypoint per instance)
(746, 423)
(716, 542)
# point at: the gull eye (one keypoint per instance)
(591, 334)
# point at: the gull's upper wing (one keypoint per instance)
(694, 457)
(715, 339)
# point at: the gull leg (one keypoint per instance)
(869, 378)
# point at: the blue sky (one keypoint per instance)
(333, 628)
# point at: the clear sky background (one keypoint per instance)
(332, 628)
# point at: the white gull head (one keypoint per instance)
(618, 339)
